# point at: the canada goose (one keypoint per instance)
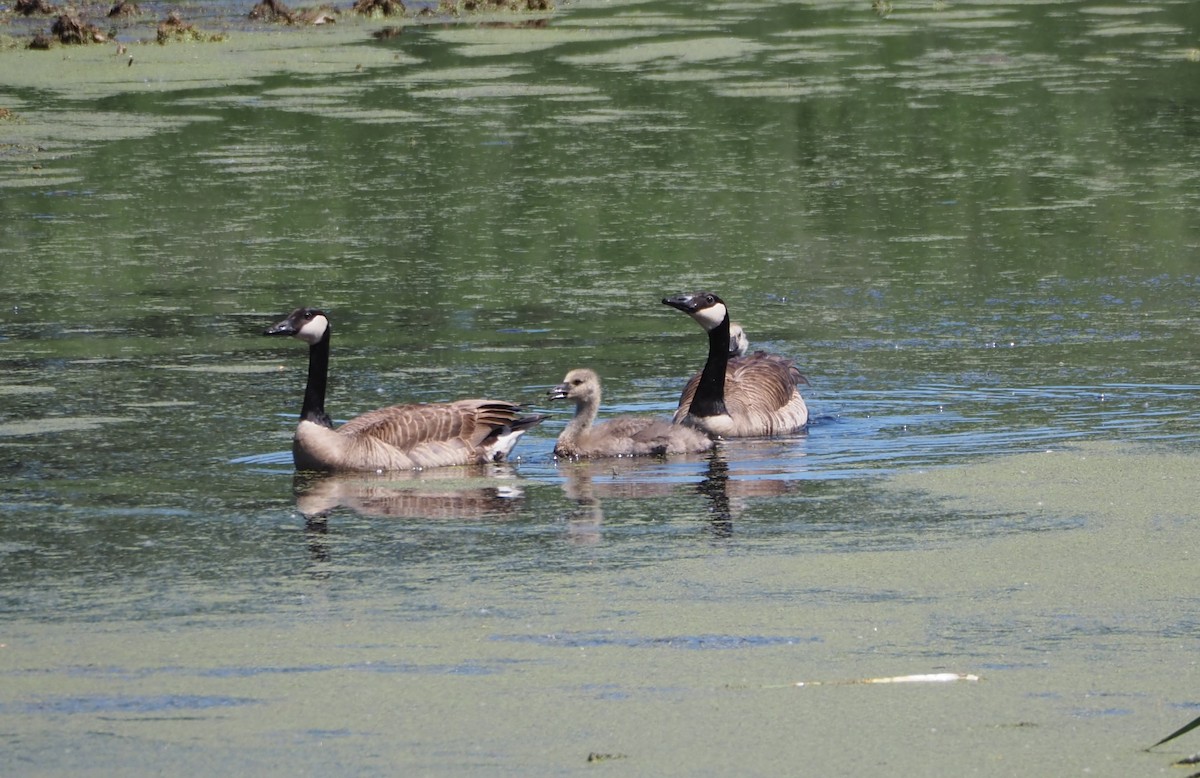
(400, 437)
(623, 436)
(737, 397)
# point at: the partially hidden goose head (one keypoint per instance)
(622, 436)
(399, 437)
(737, 394)
(739, 344)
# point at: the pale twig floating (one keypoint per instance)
(920, 678)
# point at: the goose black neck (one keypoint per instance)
(318, 374)
(710, 394)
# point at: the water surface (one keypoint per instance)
(971, 224)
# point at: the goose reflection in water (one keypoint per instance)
(729, 497)
(589, 483)
(490, 491)
(471, 492)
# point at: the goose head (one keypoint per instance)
(705, 307)
(581, 385)
(739, 344)
(308, 324)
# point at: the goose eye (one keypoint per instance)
(577, 381)
(709, 299)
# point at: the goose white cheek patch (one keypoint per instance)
(711, 316)
(313, 330)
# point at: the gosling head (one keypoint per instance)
(308, 324)
(581, 385)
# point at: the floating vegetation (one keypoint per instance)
(124, 8)
(272, 11)
(277, 11)
(175, 29)
(31, 7)
(507, 5)
(324, 14)
(381, 8)
(71, 30)
(378, 8)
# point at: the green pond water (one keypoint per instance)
(973, 225)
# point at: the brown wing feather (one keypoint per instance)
(761, 383)
(470, 422)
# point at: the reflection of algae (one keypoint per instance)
(242, 368)
(492, 42)
(44, 135)
(504, 90)
(482, 73)
(14, 429)
(705, 49)
(778, 89)
(14, 389)
(243, 59)
(1112, 31)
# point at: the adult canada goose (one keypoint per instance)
(623, 436)
(737, 396)
(400, 437)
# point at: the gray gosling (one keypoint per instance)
(737, 396)
(623, 436)
(400, 437)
